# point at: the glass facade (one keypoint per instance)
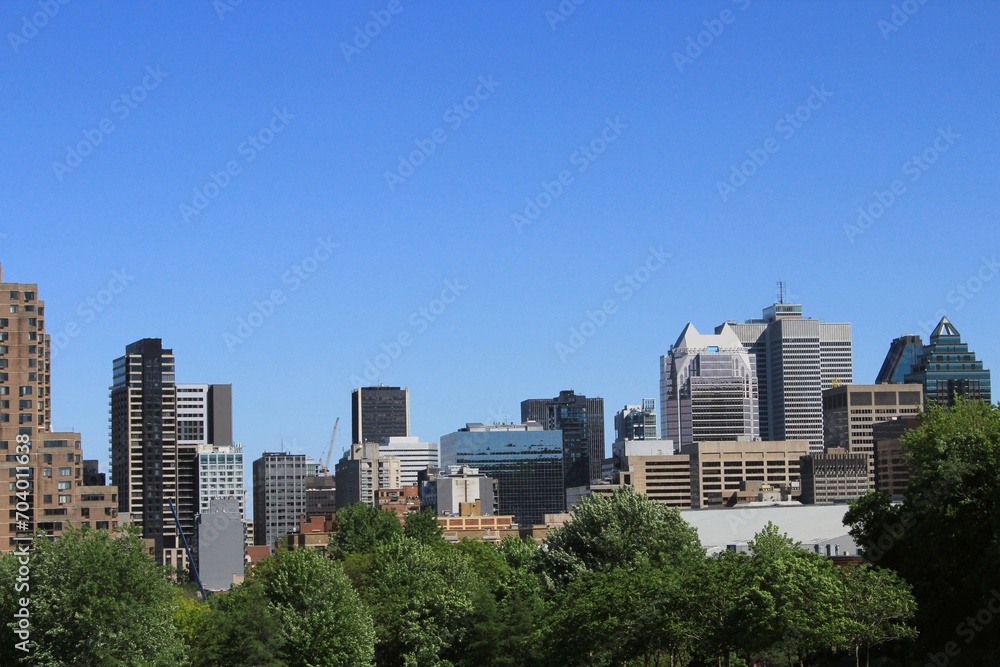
(948, 368)
(527, 464)
(904, 352)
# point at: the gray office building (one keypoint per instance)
(279, 495)
(525, 460)
(221, 545)
(796, 359)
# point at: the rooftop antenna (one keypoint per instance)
(781, 291)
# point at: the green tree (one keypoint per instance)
(607, 532)
(240, 628)
(96, 599)
(423, 526)
(944, 538)
(878, 605)
(360, 529)
(322, 619)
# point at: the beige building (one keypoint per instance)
(719, 468)
(652, 469)
(850, 411)
(362, 471)
(892, 476)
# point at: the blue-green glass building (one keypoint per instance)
(948, 368)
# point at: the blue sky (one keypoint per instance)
(217, 156)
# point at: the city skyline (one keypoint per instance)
(498, 267)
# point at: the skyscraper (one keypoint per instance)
(279, 494)
(581, 421)
(525, 459)
(413, 456)
(378, 413)
(796, 359)
(149, 465)
(948, 368)
(636, 422)
(900, 360)
(708, 389)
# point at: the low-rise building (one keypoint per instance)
(652, 469)
(401, 501)
(836, 476)
(719, 468)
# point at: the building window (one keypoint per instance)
(65, 486)
(65, 499)
(65, 471)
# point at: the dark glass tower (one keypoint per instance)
(581, 421)
(902, 357)
(378, 413)
(947, 368)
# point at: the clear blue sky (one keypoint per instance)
(196, 86)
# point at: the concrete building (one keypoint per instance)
(636, 422)
(795, 359)
(447, 490)
(221, 545)
(719, 468)
(850, 411)
(892, 475)
(708, 389)
(279, 494)
(378, 413)
(581, 421)
(413, 455)
(362, 471)
(525, 459)
(835, 476)
(149, 465)
(652, 469)
(321, 496)
(402, 501)
(947, 368)
(205, 414)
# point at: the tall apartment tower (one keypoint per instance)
(279, 494)
(708, 389)
(796, 359)
(636, 422)
(581, 421)
(362, 472)
(149, 465)
(948, 368)
(378, 413)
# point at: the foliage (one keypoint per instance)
(423, 526)
(877, 606)
(360, 529)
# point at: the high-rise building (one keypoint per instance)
(796, 359)
(321, 496)
(892, 475)
(279, 495)
(904, 352)
(220, 475)
(25, 383)
(581, 421)
(149, 465)
(378, 413)
(362, 471)
(413, 456)
(636, 422)
(948, 368)
(525, 459)
(850, 411)
(205, 414)
(708, 389)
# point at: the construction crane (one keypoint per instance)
(329, 452)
